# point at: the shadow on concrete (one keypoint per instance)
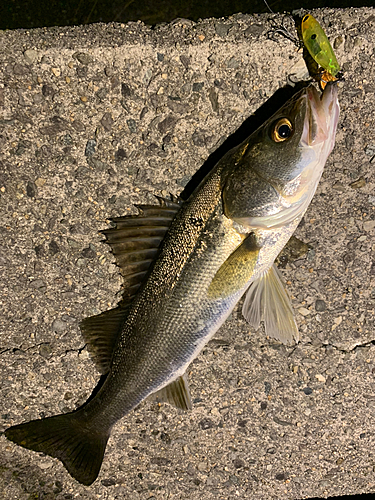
(261, 115)
(42, 13)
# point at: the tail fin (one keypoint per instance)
(80, 449)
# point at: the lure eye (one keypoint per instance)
(282, 130)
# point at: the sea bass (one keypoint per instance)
(185, 267)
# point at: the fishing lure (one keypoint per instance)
(318, 54)
(317, 44)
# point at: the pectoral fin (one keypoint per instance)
(267, 300)
(176, 393)
(236, 271)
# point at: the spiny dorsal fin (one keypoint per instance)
(136, 239)
(135, 244)
(176, 393)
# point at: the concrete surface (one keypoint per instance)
(97, 118)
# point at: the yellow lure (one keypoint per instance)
(317, 44)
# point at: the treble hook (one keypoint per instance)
(281, 29)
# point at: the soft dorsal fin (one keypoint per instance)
(101, 333)
(135, 244)
(176, 393)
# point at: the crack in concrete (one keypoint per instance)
(14, 349)
(358, 346)
(79, 350)
(344, 351)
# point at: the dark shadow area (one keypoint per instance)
(261, 115)
(31, 480)
(41, 13)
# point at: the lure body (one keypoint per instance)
(318, 54)
(318, 46)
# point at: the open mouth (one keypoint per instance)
(321, 117)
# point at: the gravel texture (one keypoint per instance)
(98, 118)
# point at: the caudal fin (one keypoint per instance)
(64, 437)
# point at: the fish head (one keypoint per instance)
(277, 169)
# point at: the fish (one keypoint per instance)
(185, 267)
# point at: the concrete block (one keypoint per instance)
(97, 118)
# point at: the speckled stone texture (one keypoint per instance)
(95, 119)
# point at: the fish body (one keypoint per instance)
(185, 268)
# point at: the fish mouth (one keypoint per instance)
(321, 117)
(316, 143)
(317, 114)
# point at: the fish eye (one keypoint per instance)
(282, 130)
(313, 36)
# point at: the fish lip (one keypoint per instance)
(321, 116)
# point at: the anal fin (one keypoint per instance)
(267, 300)
(176, 393)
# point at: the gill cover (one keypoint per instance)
(276, 178)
